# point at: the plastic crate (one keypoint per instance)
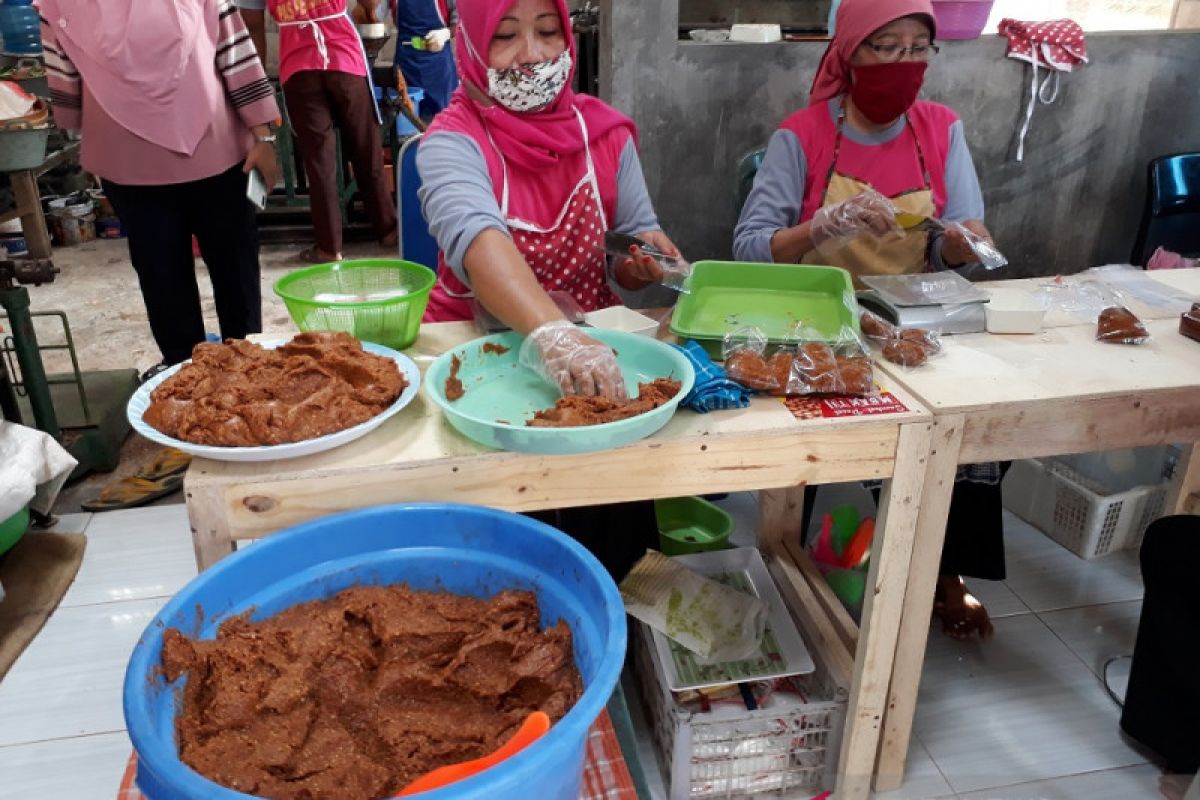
(785, 749)
(1082, 515)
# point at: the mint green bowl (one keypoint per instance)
(12, 529)
(501, 395)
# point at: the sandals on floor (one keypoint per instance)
(133, 491)
(169, 461)
(311, 255)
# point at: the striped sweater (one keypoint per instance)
(117, 154)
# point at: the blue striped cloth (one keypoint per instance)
(713, 391)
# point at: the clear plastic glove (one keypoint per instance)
(640, 269)
(578, 364)
(869, 212)
(436, 40)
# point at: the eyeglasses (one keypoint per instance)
(894, 52)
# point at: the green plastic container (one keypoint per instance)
(390, 321)
(727, 295)
(691, 525)
(23, 149)
(12, 529)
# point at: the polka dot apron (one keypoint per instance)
(567, 255)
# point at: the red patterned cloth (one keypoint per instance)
(605, 773)
(1058, 44)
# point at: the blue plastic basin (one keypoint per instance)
(441, 547)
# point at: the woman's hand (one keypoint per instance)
(956, 250)
(868, 212)
(573, 361)
(640, 270)
(262, 158)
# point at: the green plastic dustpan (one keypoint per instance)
(501, 395)
(727, 295)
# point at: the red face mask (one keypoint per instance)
(882, 92)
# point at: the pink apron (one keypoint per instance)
(566, 256)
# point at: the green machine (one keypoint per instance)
(85, 411)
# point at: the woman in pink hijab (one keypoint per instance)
(835, 175)
(836, 172)
(521, 179)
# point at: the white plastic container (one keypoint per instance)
(1013, 311)
(620, 318)
(1087, 518)
(761, 34)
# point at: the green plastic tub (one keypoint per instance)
(691, 525)
(727, 295)
(23, 149)
(12, 529)
(348, 305)
(501, 395)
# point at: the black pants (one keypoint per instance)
(617, 534)
(974, 546)
(161, 221)
(1162, 703)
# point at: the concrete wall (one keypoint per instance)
(1075, 202)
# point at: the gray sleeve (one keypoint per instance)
(634, 213)
(253, 5)
(456, 195)
(775, 200)
(964, 199)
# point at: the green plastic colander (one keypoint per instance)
(362, 298)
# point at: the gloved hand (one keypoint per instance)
(869, 212)
(573, 361)
(435, 40)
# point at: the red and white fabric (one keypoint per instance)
(1057, 46)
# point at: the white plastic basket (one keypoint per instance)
(1082, 515)
(790, 745)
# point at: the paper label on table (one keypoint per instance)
(836, 407)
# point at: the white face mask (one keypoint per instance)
(530, 87)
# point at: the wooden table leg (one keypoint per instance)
(918, 601)
(779, 515)
(33, 222)
(886, 586)
(1186, 497)
(211, 538)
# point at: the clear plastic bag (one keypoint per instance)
(841, 367)
(745, 354)
(907, 347)
(1119, 325)
(986, 252)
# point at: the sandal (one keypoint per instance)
(169, 461)
(313, 255)
(962, 620)
(131, 492)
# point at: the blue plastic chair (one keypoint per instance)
(416, 242)
(1171, 217)
(747, 167)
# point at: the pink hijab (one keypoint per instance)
(150, 65)
(544, 150)
(856, 20)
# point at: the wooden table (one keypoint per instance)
(1007, 397)
(418, 456)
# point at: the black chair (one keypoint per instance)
(1171, 218)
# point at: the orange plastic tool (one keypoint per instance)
(859, 545)
(530, 731)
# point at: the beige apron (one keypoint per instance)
(894, 254)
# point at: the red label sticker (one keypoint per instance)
(827, 407)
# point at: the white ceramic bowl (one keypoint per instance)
(1013, 311)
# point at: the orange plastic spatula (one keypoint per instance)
(530, 731)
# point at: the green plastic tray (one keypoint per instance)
(691, 525)
(727, 295)
(501, 395)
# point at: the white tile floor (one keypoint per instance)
(1024, 716)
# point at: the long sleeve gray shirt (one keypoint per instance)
(459, 202)
(774, 202)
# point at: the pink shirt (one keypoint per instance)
(300, 45)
